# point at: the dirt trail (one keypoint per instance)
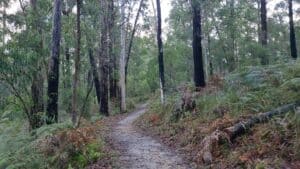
(138, 151)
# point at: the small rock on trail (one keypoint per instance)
(138, 151)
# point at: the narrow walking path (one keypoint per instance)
(138, 151)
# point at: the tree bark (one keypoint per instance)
(77, 65)
(292, 32)
(160, 53)
(211, 69)
(95, 75)
(53, 73)
(258, 22)
(3, 23)
(122, 59)
(199, 77)
(104, 58)
(37, 85)
(264, 30)
(230, 133)
(232, 60)
(132, 38)
(112, 67)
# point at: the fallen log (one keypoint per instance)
(230, 133)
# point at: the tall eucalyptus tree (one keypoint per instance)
(160, 52)
(77, 64)
(199, 75)
(264, 30)
(123, 58)
(293, 44)
(53, 73)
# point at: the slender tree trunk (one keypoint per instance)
(264, 30)
(77, 66)
(112, 68)
(67, 79)
(263, 15)
(3, 23)
(197, 46)
(132, 37)
(122, 59)
(292, 32)
(104, 59)
(53, 74)
(258, 22)
(67, 82)
(94, 68)
(95, 75)
(232, 60)
(160, 53)
(37, 85)
(211, 69)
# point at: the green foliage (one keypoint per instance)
(296, 123)
(230, 42)
(250, 91)
(89, 154)
(51, 129)
(16, 148)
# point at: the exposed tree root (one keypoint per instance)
(230, 133)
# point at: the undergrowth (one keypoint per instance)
(240, 95)
(56, 146)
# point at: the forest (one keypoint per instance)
(149, 84)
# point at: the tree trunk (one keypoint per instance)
(292, 32)
(160, 53)
(53, 73)
(264, 30)
(37, 85)
(122, 59)
(112, 68)
(104, 58)
(3, 23)
(211, 69)
(232, 60)
(197, 46)
(258, 21)
(94, 68)
(132, 37)
(95, 75)
(77, 66)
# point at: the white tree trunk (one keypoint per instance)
(162, 98)
(122, 58)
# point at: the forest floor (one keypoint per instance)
(239, 97)
(163, 137)
(137, 150)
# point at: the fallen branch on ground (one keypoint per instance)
(230, 133)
